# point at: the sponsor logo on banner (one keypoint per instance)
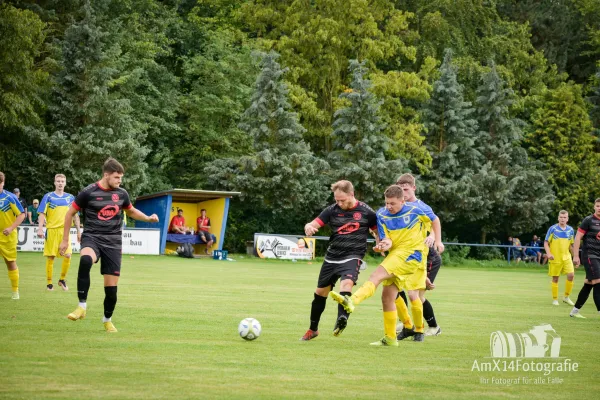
(284, 247)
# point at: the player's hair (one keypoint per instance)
(204, 209)
(59, 176)
(343, 186)
(111, 165)
(563, 212)
(406, 179)
(1, 177)
(595, 201)
(394, 191)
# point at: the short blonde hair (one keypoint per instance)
(563, 212)
(406, 179)
(343, 186)
(60, 176)
(394, 191)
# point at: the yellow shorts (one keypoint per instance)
(402, 265)
(8, 249)
(560, 267)
(53, 238)
(417, 280)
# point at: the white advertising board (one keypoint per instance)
(135, 241)
(284, 247)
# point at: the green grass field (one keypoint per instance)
(177, 321)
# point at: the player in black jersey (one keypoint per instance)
(102, 204)
(589, 231)
(350, 221)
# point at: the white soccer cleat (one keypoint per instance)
(568, 301)
(555, 303)
(433, 331)
(15, 295)
(576, 314)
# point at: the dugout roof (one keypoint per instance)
(190, 195)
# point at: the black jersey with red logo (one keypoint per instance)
(350, 230)
(590, 227)
(103, 211)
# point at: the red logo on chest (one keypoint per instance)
(108, 212)
(348, 228)
(357, 216)
(115, 197)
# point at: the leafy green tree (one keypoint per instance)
(451, 188)
(561, 137)
(282, 182)
(359, 144)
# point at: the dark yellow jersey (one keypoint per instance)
(55, 207)
(405, 228)
(10, 209)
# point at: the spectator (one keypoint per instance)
(178, 223)
(518, 252)
(204, 234)
(536, 253)
(32, 212)
(17, 193)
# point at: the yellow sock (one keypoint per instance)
(66, 264)
(417, 312)
(49, 269)
(364, 292)
(555, 290)
(389, 323)
(14, 279)
(568, 288)
(403, 314)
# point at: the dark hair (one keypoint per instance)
(394, 191)
(204, 209)
(111, 165)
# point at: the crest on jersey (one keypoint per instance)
(357, 216)
(406, 219)
(2, 203)
(115, 197)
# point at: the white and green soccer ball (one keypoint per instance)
(249, 329)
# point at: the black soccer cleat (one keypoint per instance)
(340, 325)
(419, 337)
(406, 332)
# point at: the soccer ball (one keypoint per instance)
(249, 329)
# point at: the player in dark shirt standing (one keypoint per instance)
(589, 231)
(350, 221)
(102, 204)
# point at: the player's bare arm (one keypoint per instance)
(14, 225)
(311, 228)
(547, 248)
(140, 216)
(41, 220)
(436, 227)
(575, 248)
(71, 212)
(78, 227)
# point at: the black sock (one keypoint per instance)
(428, 314)
(317, 308)
(597, 295)
(110, 300)
(341, 309)
(584, 293)
(83, 278)
(403, 295)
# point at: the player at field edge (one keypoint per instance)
(589, 231)
(12, 215)
(350, 221)
(102, 203)
(52, 210)
(400, 231)
(559, 248)
(421, 280)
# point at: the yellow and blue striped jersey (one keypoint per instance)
(427, 210)
(55, 207)
(10, 209)
(560, 240)
(406, 229)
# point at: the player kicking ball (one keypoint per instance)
(103, 204)
(399, 229)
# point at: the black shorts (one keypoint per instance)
(206, 236)
(110, 257)
(331, 272)
(592, 268)
(433, 266)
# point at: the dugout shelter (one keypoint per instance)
(165, 205)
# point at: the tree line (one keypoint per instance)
(494, 105)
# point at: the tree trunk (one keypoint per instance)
(483, 235)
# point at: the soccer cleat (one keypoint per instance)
(555, 303)
(576, 314)
(386, 341)
(419, 337)
(309, 335)
(345, 301)
(15, 295)
(50, 287)
(433, 331)
(63, 284)
(568, 301)
(110, 328)
(340, 325)
(79, 313)
(406, 332)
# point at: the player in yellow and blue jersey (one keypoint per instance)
(559, 249)
(11, 216)
(52, 210)
(400, 229)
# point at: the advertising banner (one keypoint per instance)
(284, 247)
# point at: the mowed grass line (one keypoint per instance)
(177, 321)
